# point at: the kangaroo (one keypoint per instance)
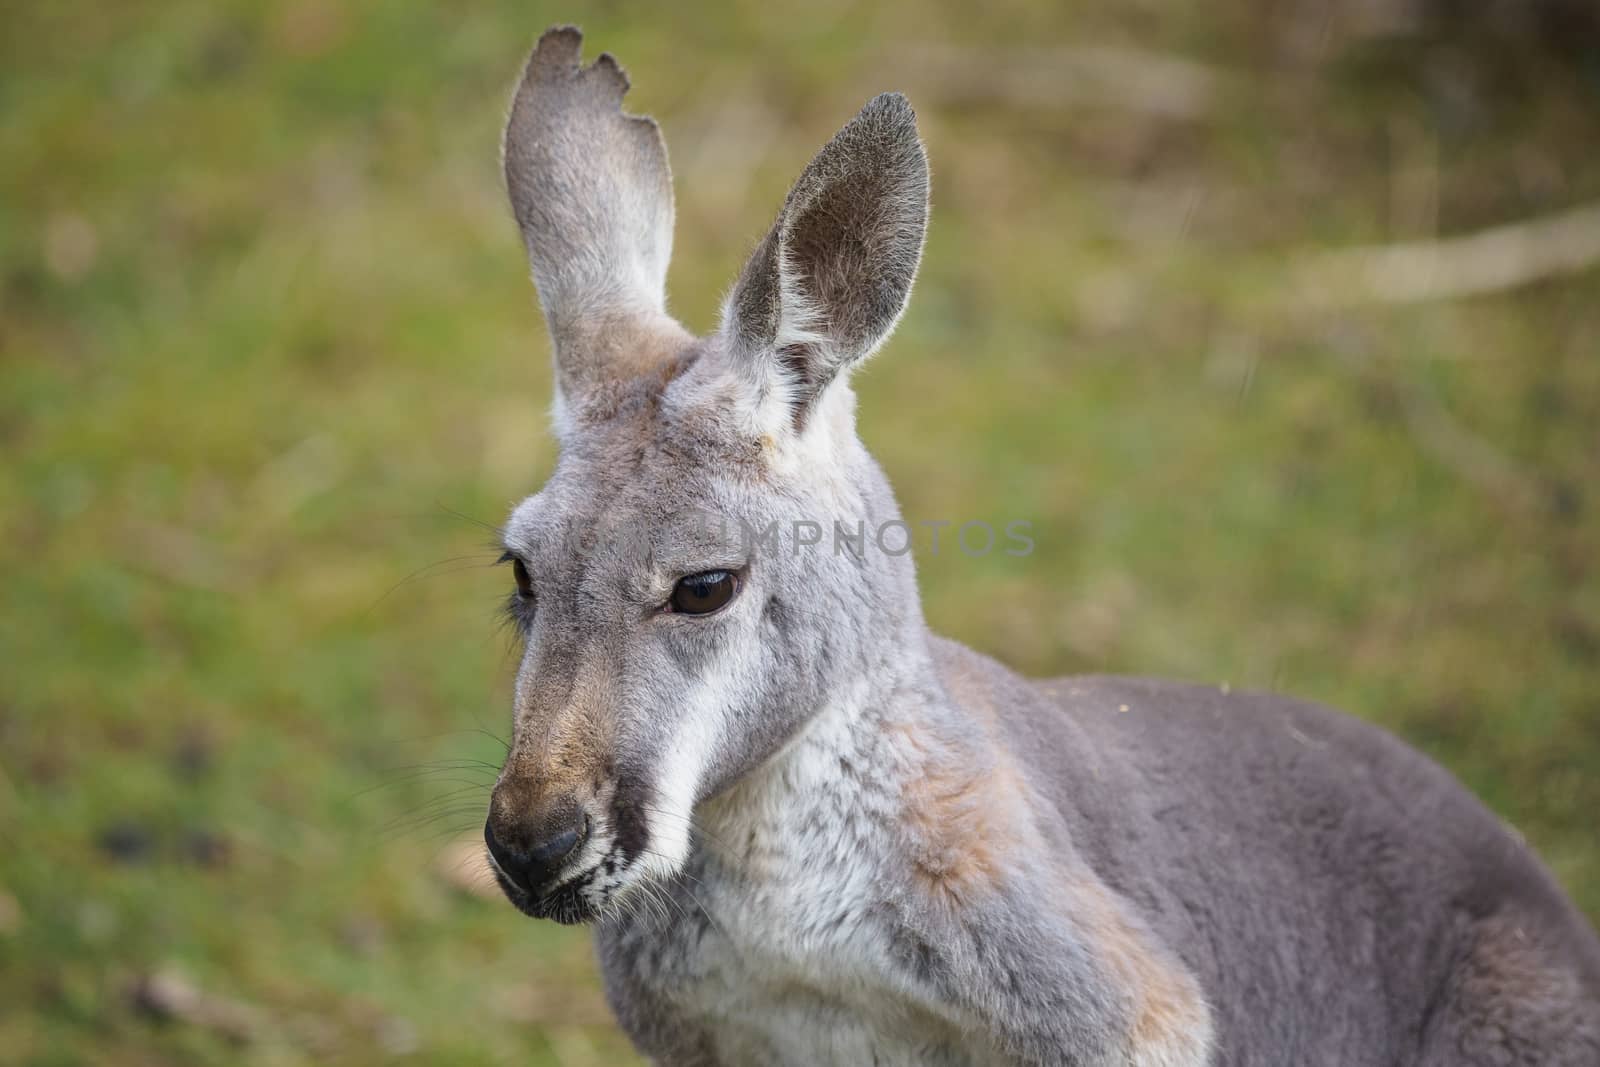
(808, 831)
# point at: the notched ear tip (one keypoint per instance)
(558, 49)
(609, 68)
(559, 56)
(591, 190)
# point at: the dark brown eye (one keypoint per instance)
(701, 594)
(524, 583)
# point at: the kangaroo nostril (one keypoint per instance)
(505, 858)
(530, 866)
(555, 848)
(499, 854)
(561, 845)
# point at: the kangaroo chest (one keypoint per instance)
(780, 940)
(797, 970)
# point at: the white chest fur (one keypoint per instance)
(794, 962)
(792, 977)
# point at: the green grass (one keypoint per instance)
(268, 350)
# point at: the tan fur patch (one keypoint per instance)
(640, 357)
(568, 752)
(962, 817)
(1171, 1023)
(965, 811)
(968, 819)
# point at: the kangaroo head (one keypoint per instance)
(678, 625)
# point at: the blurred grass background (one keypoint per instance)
(270, 358)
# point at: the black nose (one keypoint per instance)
(531, 852)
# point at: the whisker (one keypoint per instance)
(459, 802)
(496, 530)
(694, 824)
(462, 786)
(712, 919)
(419, 821)
(425, 775)
(432, 571)
(460, 826)
(462, 762)
(448, 733)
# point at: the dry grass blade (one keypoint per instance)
(1489, 261)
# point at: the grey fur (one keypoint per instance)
(592, 193)
(822, 835)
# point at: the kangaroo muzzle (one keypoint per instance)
(532, 844)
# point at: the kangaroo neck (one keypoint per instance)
(854, 766)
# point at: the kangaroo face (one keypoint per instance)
(684, 603)
(677, 629)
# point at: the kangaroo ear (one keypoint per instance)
(827, 284)
(592, 192)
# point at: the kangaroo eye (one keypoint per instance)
(701, 594)
(524, 583)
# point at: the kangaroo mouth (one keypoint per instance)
(565, 904)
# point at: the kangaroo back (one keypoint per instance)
(1348, 873)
